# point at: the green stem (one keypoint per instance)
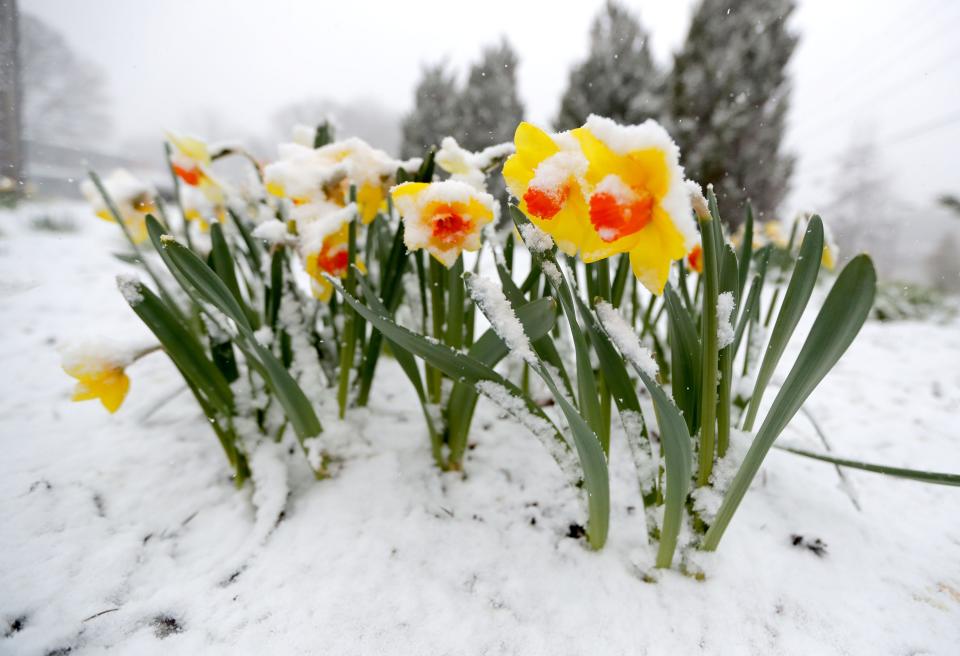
(348, 343)
(708, 322)
(437, 274)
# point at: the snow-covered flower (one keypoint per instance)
(466, 166)
(99, 376)
(324, 247)
(639, 202)
(773, 233)
(443, 217)
(304, 174)
(191, 163)
(546, 175)
(133, 198)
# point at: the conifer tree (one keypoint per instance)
(435, 114)
(728, 97)
(490, 107)
(618, 79)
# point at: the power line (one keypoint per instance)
(908, 134)
(900, 84)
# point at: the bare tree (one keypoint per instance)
(64, 95)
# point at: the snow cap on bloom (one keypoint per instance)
(466, 166)
(443, 217)
(324, 247)
(639, 202)
(199, 208)
(546, 175)
(305, 174)
(100, 375)
(191, 163)
(133, 198)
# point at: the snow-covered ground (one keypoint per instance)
(124, 534)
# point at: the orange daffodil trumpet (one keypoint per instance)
(99, 376)
(605, 189)
(445, 218)
(133, 199)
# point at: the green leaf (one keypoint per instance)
(537, 318)
(204, 281)
(840, 319)
(684, 357)
(225, 267)
(678, 459)
(794, 303)
(746, 252)
(936, 478)
(183, 348)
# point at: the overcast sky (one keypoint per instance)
(883, 69)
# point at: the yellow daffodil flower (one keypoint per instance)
(445, 217)
(546, 175)
(191, 163)
(639, 203)
(324, 247)
(99, 379)
(605, 189)
(133, 199)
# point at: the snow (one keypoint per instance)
(626, 340)
(553, 172)
(536, 240)
(129, 286)
(123, 533)
(495, 306)
(271, 231)
(725, 331)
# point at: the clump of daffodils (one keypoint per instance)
(604, 189)
(318, 179)
(133, 200)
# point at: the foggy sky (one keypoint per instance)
(887, 70)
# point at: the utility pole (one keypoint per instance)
(11, 99)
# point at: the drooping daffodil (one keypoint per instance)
(99, 376)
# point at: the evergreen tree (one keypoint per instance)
(435, 114)
(490, 107)
(728, 98)
(618, 79)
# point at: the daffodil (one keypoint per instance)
(445, 217)
(98, 377)
(304, 175)
(198, 208)
(638, 201)
(132, 198)
(547, 176)
(191, 163)
(324, 247)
